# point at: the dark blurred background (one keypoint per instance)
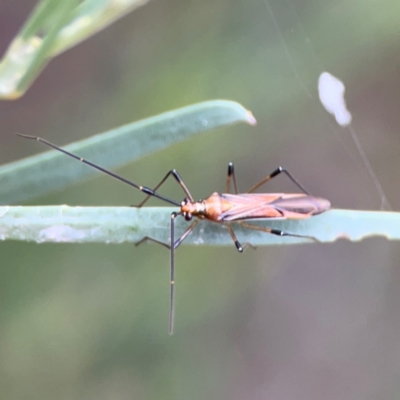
(291, 322)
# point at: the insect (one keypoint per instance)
(222, 208)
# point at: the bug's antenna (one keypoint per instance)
(143, 189)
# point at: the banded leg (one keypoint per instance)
(276, 172)
(176, 244)
(277, 232)
(166, 245)
(239, 247)
(177, 177)
(231, 176)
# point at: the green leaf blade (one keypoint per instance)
(53, 27)
(127, 224)
(92, 16)
(30, 51)
(38, 175)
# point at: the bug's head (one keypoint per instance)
(188, 209)
(187, 216)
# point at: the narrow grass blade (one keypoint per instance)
(126, 224)
(91, 16)
(54, 27)
(29, 52)
(35, 176)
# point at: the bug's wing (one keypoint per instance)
(274, 205)
(301, 206)
(250, 206)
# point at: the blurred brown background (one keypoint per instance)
(301, 322)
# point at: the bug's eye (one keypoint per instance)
(188, 217)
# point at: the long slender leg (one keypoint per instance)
(174, 245)
(276, 172)
(172, 248)
(178, 242)
(277, 232)
(234, 238)
(231, 176)
(172, 277)
(239, 247)
(177, 177)
(143, 189)
(150, 239)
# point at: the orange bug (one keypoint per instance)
(222, 208)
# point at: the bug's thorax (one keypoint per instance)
(196, 208)
(211, 208)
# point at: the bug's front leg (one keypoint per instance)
(177, 243)
(147, 239)
(177, 177)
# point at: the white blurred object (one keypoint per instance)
(331, 93)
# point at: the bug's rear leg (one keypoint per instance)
(240, 248)
(276, 232)
(275, 173)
